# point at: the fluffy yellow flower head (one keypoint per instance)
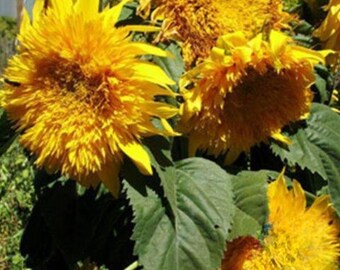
(329, 31)
(198, 23)
(82, 97)
(245, 92)
(299, 238)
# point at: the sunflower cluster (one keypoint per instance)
(84, 94)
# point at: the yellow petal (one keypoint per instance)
(278, 42)
(112, 15)
(281, 138)
(278, 186)
(314, 57)
(142, 28)
(299, 195)
(25, 22)
(37, 9)
(256, 42)
(109, 176)
(168, 128)
(321, 204)
(159, 109)
(139, 156)
(62, 7)
(89, 8)
(232, 40)
(152, 73)
(140, 48)
(217, 54)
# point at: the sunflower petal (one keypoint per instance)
(109, 176)
(37, 8)
(139, 156)
(152, 73)
(62, 7)
(281, 138)
(88, 8)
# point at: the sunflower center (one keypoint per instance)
(256, 87)
(68, 79)
(261, 104)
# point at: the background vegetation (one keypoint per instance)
(16, 175)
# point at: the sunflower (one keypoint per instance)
(329, 31)
(299, 238)
(80, 94)
(198, 23)
(242, 94)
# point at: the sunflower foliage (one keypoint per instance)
(155, 131)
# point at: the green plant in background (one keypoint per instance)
(16, 175)
(8, 31)
(16, 201)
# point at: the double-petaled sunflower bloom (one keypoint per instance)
(299, 237)
(198, 23)
(81, 95)
(245, 92)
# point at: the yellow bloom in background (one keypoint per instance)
(84, 98)
(242, 94)
(299, 237)
(329, 31)
(198, 23)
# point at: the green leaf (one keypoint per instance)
(189, 230)
(128, 13)
(321, 85)
(303, 28)
(173, 65)
(316, 147)
(7, 134)
(250, 189)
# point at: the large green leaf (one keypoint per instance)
(189, 230)
(250, 189)
(7, 134)
(316, 147)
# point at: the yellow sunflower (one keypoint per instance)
(198, 23)
(299, 238)
(329, 31)
(80, 93)
(245, 92)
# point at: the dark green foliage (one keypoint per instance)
(250, 189)
(316, 148)
(66, 227)
(16, 199)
